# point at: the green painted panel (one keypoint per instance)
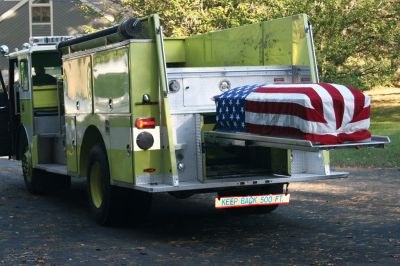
(34, 151)
(111, 81)
(144, 74)
(26, 112)
(24, 74)
(83, 121)
(120, 155)
(232, 47)
(169, 156)
(77, 85)
(70, 129)
(301, 56)
(45, 96)
(147, 159)
(166, 121)
(175, 50)
(120, 166)
(327, 159)
(280, 161)
(145, 80)
(277, 42)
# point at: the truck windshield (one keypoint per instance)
(46, 68)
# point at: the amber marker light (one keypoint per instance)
(142, 123)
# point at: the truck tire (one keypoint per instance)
(99, 189)
(270, 189)
(39, 181)
(112, 205)
(34, 179)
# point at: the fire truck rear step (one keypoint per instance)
(235, 182)
(60, 169)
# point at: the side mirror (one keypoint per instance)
(4, 50)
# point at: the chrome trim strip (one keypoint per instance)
(241, 138)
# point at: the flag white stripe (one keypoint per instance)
(328, 108)
(356, 126)
(367, 100)
(348, 97)
(329, 111)
(298, 98)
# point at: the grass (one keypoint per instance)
(385, 121)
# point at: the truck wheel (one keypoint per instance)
(110, 204)
(271, 189)
(99, 187)
(38, 181)
(34, 179)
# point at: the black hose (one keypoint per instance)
(126, 29)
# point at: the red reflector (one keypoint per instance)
(145, 123)
(149, 170)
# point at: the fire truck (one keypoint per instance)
(133, 113)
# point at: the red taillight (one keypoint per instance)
(149, 170)
(145, 123)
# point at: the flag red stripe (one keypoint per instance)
(296, 133)
(283, 108)
(356, 136)
(315, 99)
(359, 100)
(364, 114)
(338, 102)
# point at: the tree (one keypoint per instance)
(357, 41)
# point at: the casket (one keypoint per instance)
(320, 112)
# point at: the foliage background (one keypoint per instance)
(357, 41)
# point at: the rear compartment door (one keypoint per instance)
(120, 152)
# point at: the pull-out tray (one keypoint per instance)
(248, 139)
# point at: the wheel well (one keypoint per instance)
(91, 138)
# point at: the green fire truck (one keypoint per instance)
(133, 113)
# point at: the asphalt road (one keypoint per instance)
(335, 222)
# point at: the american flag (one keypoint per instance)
(231, 107)
(323, 112)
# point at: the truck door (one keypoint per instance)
(5, 136)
